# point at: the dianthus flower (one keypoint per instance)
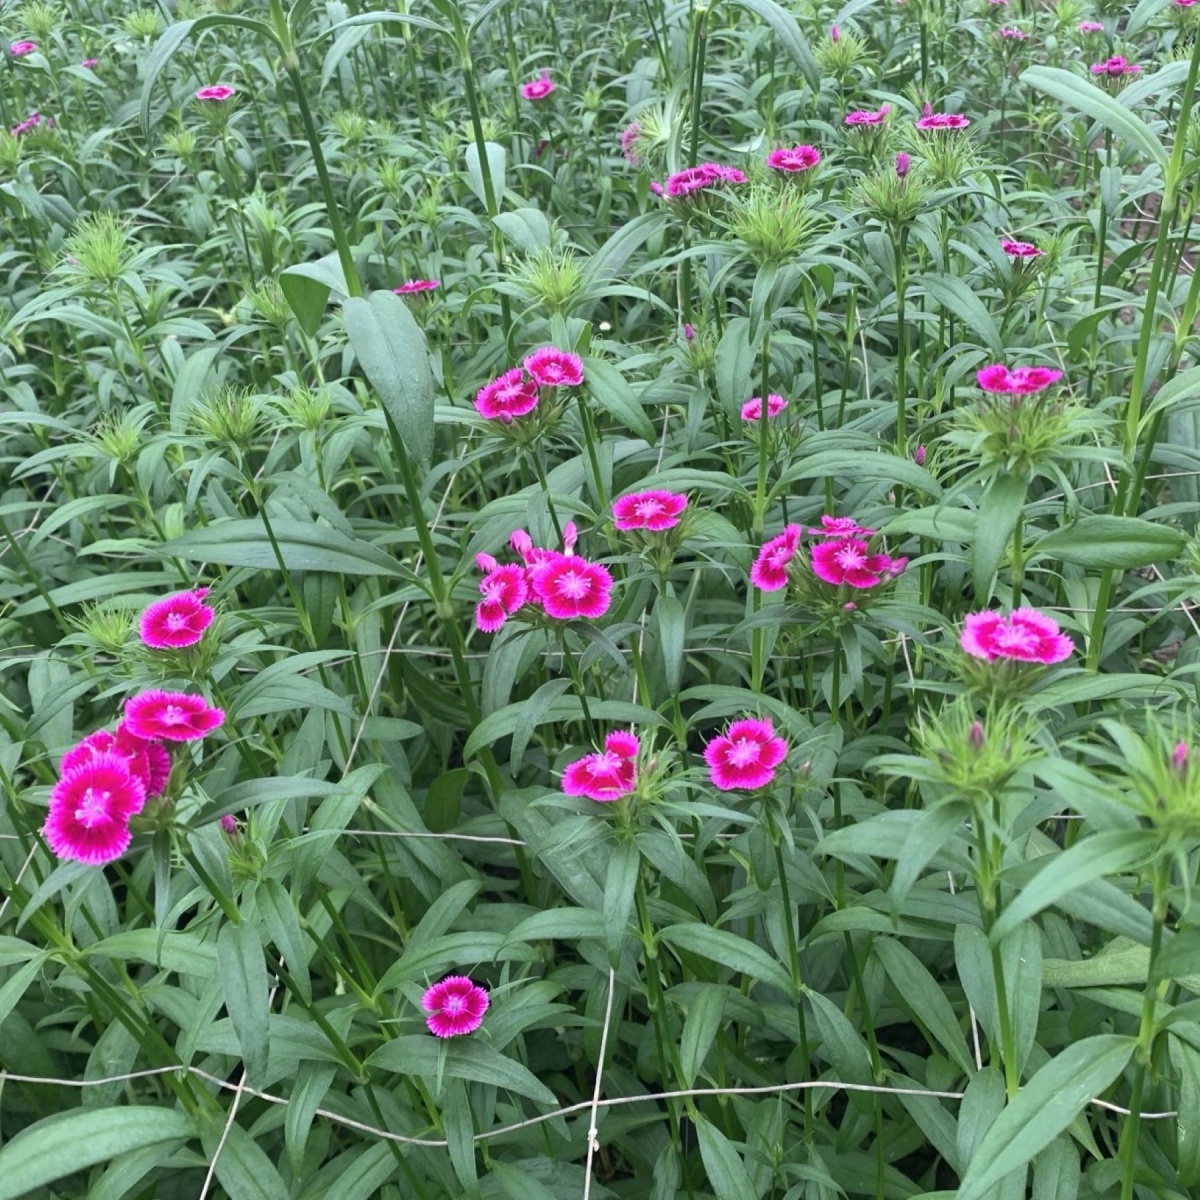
(89, 63)
(745, 756)
(1115, 67)
(861, 116)
(931, 120)
(654, 510)
(607, 775)
(508, 396)
(20, 49)
(1091, 27)
(1021, 381)
(794, 158)
(629, 141)
(417, 285)
(31, 122)
(176, 621)
(1025, 635)
(172, 716)
(1017, 35)
(841, 527)
(454, 1007)
(700, 178)
(90, 807)
(903, 165)
(538, 89)
(752, 409)
(148, 759)
(848, 560)
(504, 590)
(1021, 249)
(551, 367)
(770, 570)
(569, 586)
(535, 556)
(218, 92)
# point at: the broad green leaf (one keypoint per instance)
(619, 886)
(471, 1059)
(391, 349)
(1043, 1108)
(312, 1082)
(497, 158)
(169, 950)
(859, 467)
(982, 1103)
(726, 949)
(243, 970)
(999, 511)
(242, 1167)
(527, 228)
(306, 287)
(733, 366)
(671, 627)
(608, 387)
(1076, 92)
(1186, 1059)
(956, 297)
(844, 1047)
(283, 925)
(700, 1029)
(63, 1144)
(1119, 542)
(787, 30)
(722, 1163)
(1056, 1172)
(454, 950)
(16, 985)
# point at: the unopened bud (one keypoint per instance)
(976, 735)
(689, 331)
(1179, 757)
(229, 824)
(919, 456)
(903, 164)
(834, 33)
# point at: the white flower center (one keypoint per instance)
(744, 752)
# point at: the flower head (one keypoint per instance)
(569, 586)
(176, 621)
(1091, 27)
(89, 63)
(31, 122)
(903, 165)
(931, 120)
(551, 367)
(217, 92)
(1025, 636)
(654, 510)
(607, 775)
(538, 89)
(1021, 249)
(1021, 381)
(841, 527)
(848, 560)
(793, 159)
(1115, 67)
(417, 285)
(1015, 35)
(504, 590)
(861, 116)
(745, 756)
(90, 807)
(752, 409)
(770, 570)
(229, 825)
(454, 1007)
(509, 395)
(172, 716)
(701, 178)
(149, 760)
(629, 140)
(20, 49)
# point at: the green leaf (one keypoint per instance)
(1118, 542)
(390, 347)
(183, 953)
(304, 546)
(844, 1048)
(956, 297)
(728, 950)
(312, 1082)
(306, 287)
(16, 985)
(726, 1171)
(733, 366)
(1100, 854)
(527, 228)
(789, 35)
(1187, 1127)
(1076, 92)
(1043, 1108)
(242, 1167)
(242, 966)
(608, 387)
(283, 925)
(497, 158)
(63, 1144)
(619, 888)
(700, 1029)
(464, 1058)
(851, 466)
(999, 510)
(1056, 1172)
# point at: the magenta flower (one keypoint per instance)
(176, 621)
(770, 570)
(31, 122)
(848, 560)
(535, 556)
(931, 120)
(89, 63)
(504, 590)
(629, 140)
(148, 760)
(417, 285)
(218, 92)
(653, 510)
(1115, 67)
(229, 825)
(20, 49)
(1091, 27)
(454, 1007)
(689, 332)
(1179, 757)
(1016, 35)
(1021, 249)
(1025, 636)
(903, 164)
(1021, 381)
(794, 159)
(862, 116)
(919, 456)
(701, 178)
(834, 33)
(842, 527)
(508, 396)
(551, 367)
(172, 716)
(569, 586)
(752, 409)
(1185, 3)
(538, 89)
(90, 807)
(745, 756)
(607, 775)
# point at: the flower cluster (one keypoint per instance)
(608, 774)
(843, 558)
(705, 177)
(752, 410)
(629, 143)
(745, 756)
(935, 120)
(515, 393)
(20, 49)
(1020, 249)
(1020, 381)
(793, 159)
(1025, 635)
(1091, 27)
(177, 621)
(654, 510)
(538, 89)
(31, 122)
(866, 116)
(1116, 67)
(1016, 35)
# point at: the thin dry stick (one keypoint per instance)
(20, 873)
(593, 1132)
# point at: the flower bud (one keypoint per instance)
(903, 164)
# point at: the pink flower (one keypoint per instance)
(931, 120)
(700, 178)
(148, 760)
(903, 164)
(752, 409)
(1115, 67)
(1179, 757)
(504, 590)
(508, 396)
(770, 570)
(745, 756)
(20, 49)
(172, 716)
(417, 285)
(862, 116)
(551, 367)
(229, 825)
(31, 122)
(608, 775)
(834, 33)
(1091, 27)
(454, 1007)
(219, 92)
(919, 456)
(90, 807)
(89, 63)
(1021, 249)
(534, 556)
(1025, 635)
(797, 158)
(689, 331)
(847, 560)
(1185, 3)
(538, 89)
(569, 586)
(629, 140)
(653, 510)
(176, 621)
(1022, 381)
(840, 527)
(1017, 35)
